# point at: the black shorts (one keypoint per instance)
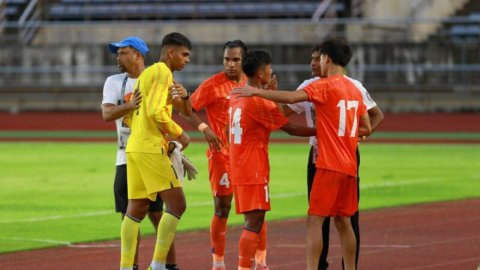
(121, 194)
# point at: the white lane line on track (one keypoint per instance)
(450, 262)
(337, 245)
(209, 203)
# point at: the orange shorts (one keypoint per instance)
(251, 197)
(333, 194)
(218, 173)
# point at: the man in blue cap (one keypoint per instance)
(130, 53)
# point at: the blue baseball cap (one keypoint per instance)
(132, 41)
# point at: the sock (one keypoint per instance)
(247, 247)
(218, 230)
(261, 254)
(157, 266)
(135, 267)
(166, 232)
(129, 234)
(219, 264)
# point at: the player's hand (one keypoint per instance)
(213, 141)
(177, 91)
(362, 138)
(189, 169)
(246, 91)
(272, 85)
(135, 100)
(184, 139)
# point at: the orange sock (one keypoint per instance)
(218, 231)
(262, 245)
(261, 254)
(247, 247)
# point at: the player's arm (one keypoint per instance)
(281, 96)
(296, 130)
(286, 110)
(112, 112)
(180, 98)
(364, 128)
(272, 85)
(375, 116)
(213, 140)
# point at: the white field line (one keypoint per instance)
(37, 219)
(60, 243)
(197, 204)
(209, 203)
(337, 245)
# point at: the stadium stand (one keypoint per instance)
(165, 10)
(468, 30)
(56, 59)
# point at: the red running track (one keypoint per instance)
(440, 236)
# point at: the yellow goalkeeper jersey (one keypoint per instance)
(151, 124)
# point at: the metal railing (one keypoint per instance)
(447, 66)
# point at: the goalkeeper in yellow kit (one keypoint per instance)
(150, 171)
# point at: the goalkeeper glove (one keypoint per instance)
(189, 168)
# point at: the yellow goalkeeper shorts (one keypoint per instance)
(148, 174)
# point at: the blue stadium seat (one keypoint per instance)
(104, 9)
(465, 30)
(16, 2)
(11, 11)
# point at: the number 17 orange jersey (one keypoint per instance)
(338, 107)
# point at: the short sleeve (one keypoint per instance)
(110, 95)
(298, 107)
(267, 114)
(203, 95)
(367, 99)
(317, 91)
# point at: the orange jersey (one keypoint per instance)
(251, 122)
(338, 107)
(212, 95)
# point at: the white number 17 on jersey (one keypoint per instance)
(344, 106)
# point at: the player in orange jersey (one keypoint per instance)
(212, 95)
(251, 122)
(341, 117)
(375, 116)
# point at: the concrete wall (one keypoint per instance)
(422, 11)
(284, 32)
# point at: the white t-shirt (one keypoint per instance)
(112, 94)
(309, 109)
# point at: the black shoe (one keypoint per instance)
(171, 267)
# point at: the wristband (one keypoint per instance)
(201, 127)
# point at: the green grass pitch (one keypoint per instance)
(61, 193)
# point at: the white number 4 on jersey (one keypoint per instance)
(224, 181)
